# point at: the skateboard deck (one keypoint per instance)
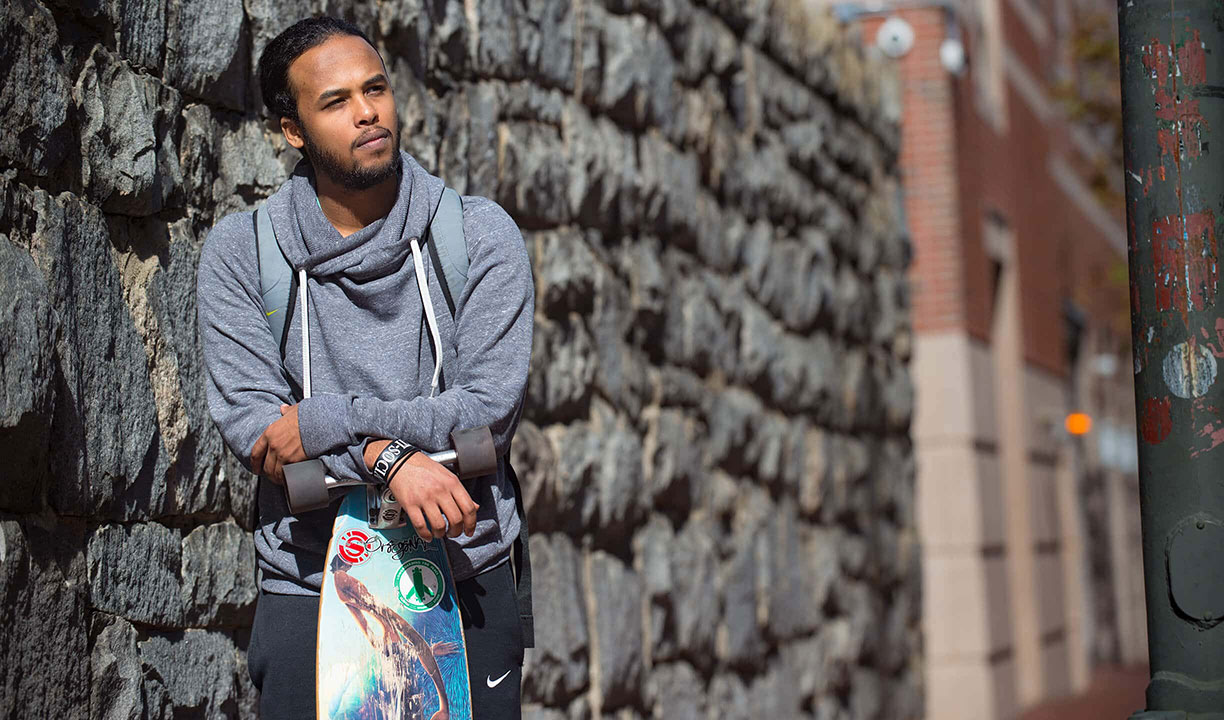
(391, 642)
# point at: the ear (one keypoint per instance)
(293, 133)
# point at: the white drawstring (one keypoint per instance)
(305, 335)
(423, 287)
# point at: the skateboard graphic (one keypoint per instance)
(390, 642)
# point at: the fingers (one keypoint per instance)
(437, 521)
(272, 467)
(454, 518)
(467, 507)
(418, 521)
(257, 452)
(284, 409)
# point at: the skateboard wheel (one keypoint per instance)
(474, 452)
(306, 486)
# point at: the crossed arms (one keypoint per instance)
(251, 399)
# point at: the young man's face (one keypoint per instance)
(348, 125)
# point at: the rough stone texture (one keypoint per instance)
(715, 450)
(44, 610)
(35, 94)
(26, 371)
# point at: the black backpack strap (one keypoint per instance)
(520, 557)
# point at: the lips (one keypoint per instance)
(372, 137)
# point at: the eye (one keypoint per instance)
(376, 88)
(334, 103)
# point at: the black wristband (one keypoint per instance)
(390, 459)
(401, 460)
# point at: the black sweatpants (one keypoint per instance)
(283, 641)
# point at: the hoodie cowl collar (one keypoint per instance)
(310, 241)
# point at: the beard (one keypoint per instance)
(349, 175)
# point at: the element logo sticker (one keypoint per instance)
(420, 585)
(353, 547)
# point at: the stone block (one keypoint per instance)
(116, 674)
(30, 327)
(740, 641)
(206, 46)
(218, 576)
(696, 334)
(44, 649)
(674, 467)
(136, 572)
(728, 698)
(195, 672)
(614, 601)
(556, 669)
(534, 460)
(791, 606)
(578, 459)
(676, 692)
(140, 27)
(36, 89)
(563, 366)
(129, 162)
(775, 692)
(105, 417)
(533, 174)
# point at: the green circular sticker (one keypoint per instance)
(420, 585)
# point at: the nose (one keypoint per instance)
(367, 114)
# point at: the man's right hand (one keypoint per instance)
(428, 491)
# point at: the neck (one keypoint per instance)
(350, 210)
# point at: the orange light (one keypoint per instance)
(1078, 423)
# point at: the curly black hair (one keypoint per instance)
(280, 53)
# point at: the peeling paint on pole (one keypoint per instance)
(1184, 255)
(1171, 52)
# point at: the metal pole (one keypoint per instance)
(1172, 65)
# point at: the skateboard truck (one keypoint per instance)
(307, 484)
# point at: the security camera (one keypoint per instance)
(895, 37)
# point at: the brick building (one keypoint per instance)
(1031, 540)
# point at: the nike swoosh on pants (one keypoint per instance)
(494, 683)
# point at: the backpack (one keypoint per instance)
(448, 253)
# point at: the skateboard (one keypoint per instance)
(391, 643)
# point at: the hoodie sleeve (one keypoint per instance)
(493, 327)
(246, 381)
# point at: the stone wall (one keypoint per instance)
(716, 451)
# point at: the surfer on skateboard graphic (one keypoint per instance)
(362, 604)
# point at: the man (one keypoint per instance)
(351, 217)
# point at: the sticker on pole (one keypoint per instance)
(1189, 370)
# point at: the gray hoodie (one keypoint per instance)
(372, 358)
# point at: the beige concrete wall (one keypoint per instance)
(1002, 552)
(967, 625)
(1054, 543)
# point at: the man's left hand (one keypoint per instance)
(281, 443)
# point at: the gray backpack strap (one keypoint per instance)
(448, 247)
(276, 281)
(448, 251)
